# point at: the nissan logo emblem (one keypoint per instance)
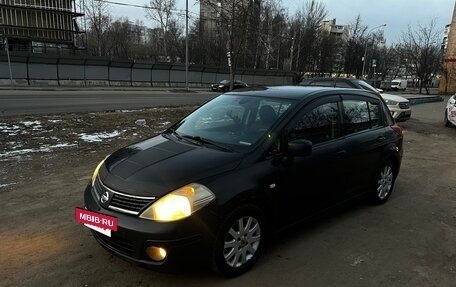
(104, 197)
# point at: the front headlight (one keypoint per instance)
(97, 170)
(391, 103)
(179, 203)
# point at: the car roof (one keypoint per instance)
(328, 79)
(297, 92)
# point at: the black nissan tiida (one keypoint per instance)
(215, 184)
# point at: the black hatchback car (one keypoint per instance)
(245, 164)
(224, 86)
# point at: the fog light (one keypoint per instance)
(156, 253)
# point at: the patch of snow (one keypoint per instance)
(54, 121)
(165, 123)
(6, 129)
(34, 150)
(127, 111)
(62, 145)
(98, 137)
(29, 123)
(7, 184)
(356, 261)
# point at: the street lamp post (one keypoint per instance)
(365, 48)
(186, 44)
(9, 61)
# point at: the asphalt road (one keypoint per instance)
(28, 101)
(409, 241)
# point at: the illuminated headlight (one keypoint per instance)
(179, 203)
(391, 103)
(221, 86)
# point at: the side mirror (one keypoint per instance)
(299, 147)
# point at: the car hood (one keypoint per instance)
(158, 165)
(394, 98)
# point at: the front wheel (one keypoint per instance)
(384, 183)
(239, 241)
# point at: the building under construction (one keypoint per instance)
(39, 26)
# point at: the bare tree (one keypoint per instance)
(99, 20)
(329, 51)
(355, 47)
(423, 51)
(308, 21)
(123, 38)
(162, 12)
(232, 19)
(273, 26)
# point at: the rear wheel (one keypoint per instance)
(384, 183)
(239, 241)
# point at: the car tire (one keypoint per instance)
(239, 241)
(384, 183)
(445, 119)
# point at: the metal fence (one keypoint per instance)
(69, 70)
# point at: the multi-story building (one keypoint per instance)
(448, 78)
(210, 11)
(36, 25)
(446, 33)
(338, 31)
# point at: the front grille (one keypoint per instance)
(404, 105)
(122, 245)
(122, 202)
(133, 204)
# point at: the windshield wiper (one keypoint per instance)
(204, 141)
(177, 135)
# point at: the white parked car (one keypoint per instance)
(398, 106)
(450, 112)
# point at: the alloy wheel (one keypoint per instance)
(242, 241)
(385, 182)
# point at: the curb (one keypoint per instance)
(422, 100)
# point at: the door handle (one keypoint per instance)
(381, 138)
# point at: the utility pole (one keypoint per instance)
(365, 49)
(186, 44)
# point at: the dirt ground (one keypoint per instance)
(46, 162)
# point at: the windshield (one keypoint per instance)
(235, 122)
(225, 82)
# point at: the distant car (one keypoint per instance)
(243, 166)
(224, 86)
(398, 106)
(450, 112)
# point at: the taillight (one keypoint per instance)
(398, 129)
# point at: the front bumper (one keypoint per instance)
(188, 242)
(401, 115)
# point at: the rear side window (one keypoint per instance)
(319, 124)
(361, 115)
(374, 113)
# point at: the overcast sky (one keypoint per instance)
(397, 14)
